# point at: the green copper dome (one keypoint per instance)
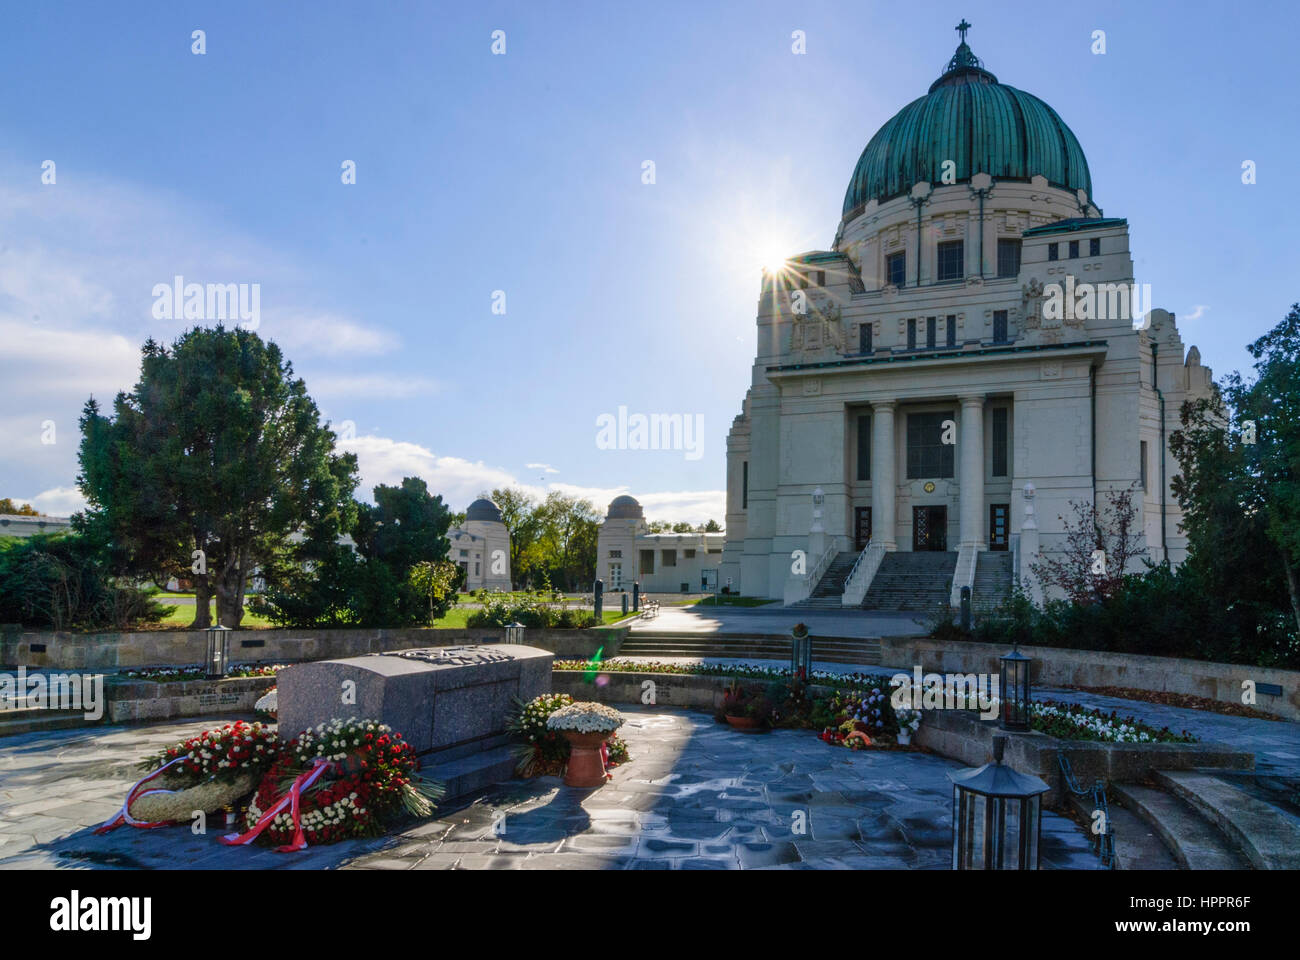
(980, 124)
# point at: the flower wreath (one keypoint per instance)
(203, 773)
(341, 779)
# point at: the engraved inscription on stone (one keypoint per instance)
(449, 656)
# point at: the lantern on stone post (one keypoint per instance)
(515, 632)
(1013, 675)
(800, 653)
(218, 651)
(996, 816)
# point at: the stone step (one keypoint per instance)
(1137, 845)
(474, 772)
(14, 722)
(1193, 841)
(1267, 836)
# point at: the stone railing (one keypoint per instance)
(964, 574)
(801, 588)
(863, 572)
(1277, 691)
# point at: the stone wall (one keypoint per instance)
(1057, 666)
(142, 700)
(962, 735)
(120, 651)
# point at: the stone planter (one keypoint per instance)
(586, 761)
(904, 737)
(744, 723)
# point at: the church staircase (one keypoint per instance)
(912, 581)
(993, 578)
(826, 595)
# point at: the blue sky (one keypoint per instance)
(522, 173)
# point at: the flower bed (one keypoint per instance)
(178, 674)
(862, 702)
(1070, 721)
(743, 671)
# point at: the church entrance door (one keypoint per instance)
(861, 527)
(930, 528)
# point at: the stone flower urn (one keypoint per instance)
(586, 726)
(586, 759)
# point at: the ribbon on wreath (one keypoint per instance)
(123, 816)
(291, 799)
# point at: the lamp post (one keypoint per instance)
(981, 185)
(800, 652)
(996, 816)
(515, 632)
(218, 651)
(1013, 677)
(919, 197)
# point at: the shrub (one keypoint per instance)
(62, 581)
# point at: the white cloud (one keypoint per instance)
(544, 467)
(1197, 312)
(58, 502)
(371, 385)
(326, 334)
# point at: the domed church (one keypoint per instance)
(970, 355)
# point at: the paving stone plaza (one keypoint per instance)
(696, 795)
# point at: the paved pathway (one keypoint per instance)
(695, 795)
(777, 619)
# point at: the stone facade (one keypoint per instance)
(627, 553)
(930, 402)
(481, 547)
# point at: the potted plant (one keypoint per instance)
(908, 721)
(745, 709)
(586, 725)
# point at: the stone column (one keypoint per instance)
(884, 475)
(972, 471)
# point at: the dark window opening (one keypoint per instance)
(927, 455)
(896, 269)
(1094, 247)
(911, 334)
(1000, 438)
(951, 260)
(864, 338)
(1008, 258)
(744, 485)
(1074, 249)
(999, 326)
(1053, 251)
(930, 332)
(952, 330)
(864, 447)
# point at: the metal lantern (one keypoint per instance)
(218, 651)
(515, 632)
(800, 653)
(1013, 674)
(996, 816)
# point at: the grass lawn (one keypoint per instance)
(183, 615)
(456, 618)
